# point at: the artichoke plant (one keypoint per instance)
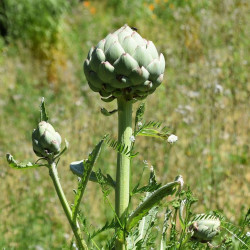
(205, 229)
(45, 140)
(124, 64)
(126, 67)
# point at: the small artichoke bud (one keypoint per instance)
(205, 229)
(45, 140)
(124, 62)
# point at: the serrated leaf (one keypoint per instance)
(150, 202)
(43, 113)
(89, 163)
(20, 165)
(153, 133)
(237, 233)
(152, 185)
(109, 225)
(153, 129)
(119, 147)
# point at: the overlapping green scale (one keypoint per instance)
(124, 63)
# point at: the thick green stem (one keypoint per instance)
(123, 161)
(75, 227)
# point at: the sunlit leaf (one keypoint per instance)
(20, 165)
(89, 163)
(150, 202)
(43, 113)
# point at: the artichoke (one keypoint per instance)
(205, 229)
(124, 64)
(45, 140)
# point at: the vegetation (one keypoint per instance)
(203, 100)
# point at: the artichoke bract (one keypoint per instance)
(205, 229)
(124, 64)
(45, 140)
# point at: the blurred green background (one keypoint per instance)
(204, 100)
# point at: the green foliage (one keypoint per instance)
(118, 146)
(19, 165)
(98, 176)
(142, 237)
(43, 113)
(108, 113)
(109, 225)
(236, 234)
(35, 23)
(88, 164)
(139, 114)
(123, 8)
(152, 129)
(150, 187)
(149, 202)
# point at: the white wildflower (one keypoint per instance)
(152, 168)
(218, 89)
(248, 234)
(172, 138)
(139, 124)
(74, 246)
(132, 138)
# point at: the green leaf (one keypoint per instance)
(139, 114)
(78, 168)
(150, 202)
(43, 114)
(153, 129)
(153, 133)
(181, 210)
(108, 113)
(152, 185)
(89, 163)
(164, 229)
(236, 233)
(19, 165)
(109, 99)
(119, 147)
(138, 238)
(146, 224)
(109, 225)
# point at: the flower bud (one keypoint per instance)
(45, 140)
(205, 229)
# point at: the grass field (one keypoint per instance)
(204, 100)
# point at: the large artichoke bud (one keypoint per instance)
(205, 229)
(45, 140)
(124, 63)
